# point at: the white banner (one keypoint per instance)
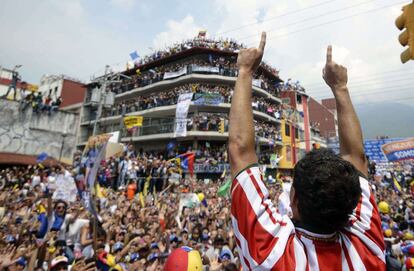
(181, 113)
(257, 83)
(178, 73)
(196, 68)
(65, 189)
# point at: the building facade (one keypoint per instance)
(153, 89)
(70, 90)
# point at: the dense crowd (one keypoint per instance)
(146, 207)
(223, 95)
(204, 63)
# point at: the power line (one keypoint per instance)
(392, 100)
(276, 17)
(367, 76)
(316, 17)
(332, 21)
(383, 90)
(368, 83)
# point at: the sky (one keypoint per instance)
(79, 37)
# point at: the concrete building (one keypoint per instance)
(71, 90)
(191, 70)
(323, 117)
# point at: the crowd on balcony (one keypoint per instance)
(170, 97)
(220, 65)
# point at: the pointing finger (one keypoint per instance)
(329, 54)
(262, 42)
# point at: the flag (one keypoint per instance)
(396, 184)
(134, 55)
(224, 189)
(185, 161)
(41, 157)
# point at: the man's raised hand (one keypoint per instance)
(335, 76)
(249, 60)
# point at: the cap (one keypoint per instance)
(154, 245)
(134, 257)
(58, 260)
(225, 254)
(117, 247)
(184, 259)
(21, 261)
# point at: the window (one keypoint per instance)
(287, 129)
(56, 88)
(296, 133)
(299, 99)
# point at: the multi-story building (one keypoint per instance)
(324, 117)
(204, 69)
(70, 90)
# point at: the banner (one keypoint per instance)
(399, 150)
(133, 121)
(169, 75)
(206, 168)
(65, 188)
(206, 69)
(208, 99)
(257, 83)
(372, 147)
(184, 101)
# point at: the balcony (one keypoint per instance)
(169, 110)
(191, 78)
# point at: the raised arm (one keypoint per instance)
(241, 128)
(350, 134)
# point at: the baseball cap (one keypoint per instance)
(225, 255)
(21, 261)
(117, 247)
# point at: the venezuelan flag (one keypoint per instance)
(185, 161)
(396, 184)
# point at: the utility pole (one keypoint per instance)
(102, 97)
(103, 93)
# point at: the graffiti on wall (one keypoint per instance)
(25, 132)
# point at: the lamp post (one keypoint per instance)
(64, 134)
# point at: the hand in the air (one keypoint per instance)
(335, 76)
(249, 60)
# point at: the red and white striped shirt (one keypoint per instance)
(267, 240)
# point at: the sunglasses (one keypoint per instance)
(60, 207)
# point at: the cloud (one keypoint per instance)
(124, 4)
(177, 31)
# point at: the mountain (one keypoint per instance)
(388, 119)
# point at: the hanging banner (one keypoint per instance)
(257, 83)
(133, 121)
(400, 150)
(169, 75)
(206, 69)
(184, 101)
(208, 99)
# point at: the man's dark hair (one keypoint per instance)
(327, 190)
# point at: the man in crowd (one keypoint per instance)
(335, 223)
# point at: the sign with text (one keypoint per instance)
(399, 150)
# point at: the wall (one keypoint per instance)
(322, 115)
(30, 134)
(72, 93)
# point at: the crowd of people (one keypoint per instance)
(40, 104)
(204, 63)
(224, 95)
(146, 207)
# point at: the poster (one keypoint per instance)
(184, 101)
